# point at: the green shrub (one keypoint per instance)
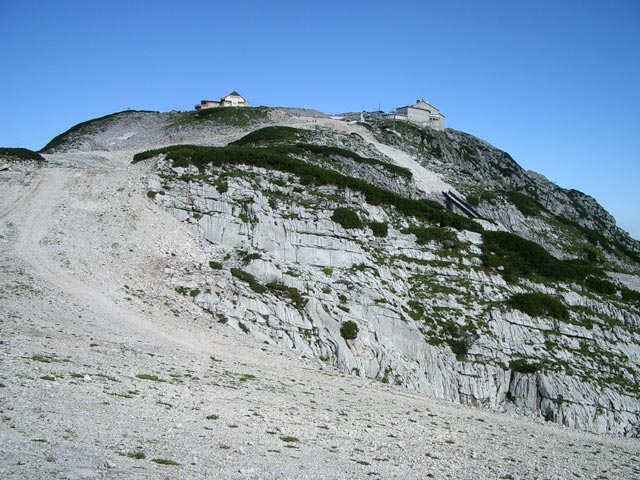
(539, 305)
(473, 200)
(629, 295)
(520, 257)
(164, 461)
(20, 154)
(521, 365)
(291, 292)
(238, 117)
(250, 279)
(349, 330)
(221, 186)
(249, 257)
(379, 229)
(529, 206)
(459, 346)
(346, 217)
(272, 135)
(274, 159)
(215, 265)
(598, 285)
(437, 234)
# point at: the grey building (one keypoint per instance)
(422, 113)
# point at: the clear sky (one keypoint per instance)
(554, 83)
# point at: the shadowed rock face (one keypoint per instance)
(432, 315)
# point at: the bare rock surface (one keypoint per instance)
(107, 372)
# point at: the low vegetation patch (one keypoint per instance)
(347, 218)
(20, 154)
(250, 279)
(349, 330)
(599, 285)
(290, 292)
(433, 234)
(272, 159)
(236, 117)
(379, 229)
(516, 256)
(272, 135)
(539, 305)
(522, 365)
(527, 205)
(164, 461)
(145, 376)
(136, 455)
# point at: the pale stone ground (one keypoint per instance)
(88, 322)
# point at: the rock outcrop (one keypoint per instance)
(320, 241)
(430, 315)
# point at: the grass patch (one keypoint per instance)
(379, 229)
(271, 159)
(289, 439)
(347, 218)
(432, 234)
(136, 455)
(601, 286)
(152, 378)
(42, 359)
(164, 461)
(539, 305)
(231, 116)
(290, 292)
(527, 205)
(272, 135)
(521, 365)
(517, 256)
(250, 279)
(7, 153)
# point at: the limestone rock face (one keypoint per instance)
(431, 318)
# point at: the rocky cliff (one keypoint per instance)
(332, 240)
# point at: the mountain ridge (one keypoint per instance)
(459, 298)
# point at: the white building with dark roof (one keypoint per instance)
(421, 113)
(234, 99)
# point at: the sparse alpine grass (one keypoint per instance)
(20, 154)
(347, 218)
(539, 305)
(272, 159)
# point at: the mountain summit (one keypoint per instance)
(217, 253)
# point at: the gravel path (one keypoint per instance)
(106, 372)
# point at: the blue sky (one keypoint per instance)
(554, 83)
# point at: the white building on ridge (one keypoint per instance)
(421, 113)
(234, 99)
